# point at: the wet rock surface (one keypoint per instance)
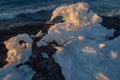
(46, 68)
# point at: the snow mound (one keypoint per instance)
(77, 14)
(79, 21)
(17, 53)
(85, 52)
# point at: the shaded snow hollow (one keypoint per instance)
(85, 54)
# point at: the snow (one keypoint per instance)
(83, 23)
(45, 55)
(101, 45)
(17, 54)
(86, 65)
(113, 54)
(76, 14)
(101, 76)
(15, 49)
(85, 52)
(80, 38)
(89, 50)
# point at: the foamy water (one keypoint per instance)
(85, 52)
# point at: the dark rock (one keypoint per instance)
(21, 42)
(30, 29)
(48, 76)
(3, 62)
(46, 68)
(3, 54)
(112, 22)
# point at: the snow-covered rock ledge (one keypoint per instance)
(84, 50)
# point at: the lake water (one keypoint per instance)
(19, 12)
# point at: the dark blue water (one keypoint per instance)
(20, 12)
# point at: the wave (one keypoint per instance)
(113, 12)
(12, 14)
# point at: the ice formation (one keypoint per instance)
(77, 14)
(85, 52)
(79, 21)
(17, 54)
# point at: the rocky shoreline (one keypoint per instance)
(46, 68)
